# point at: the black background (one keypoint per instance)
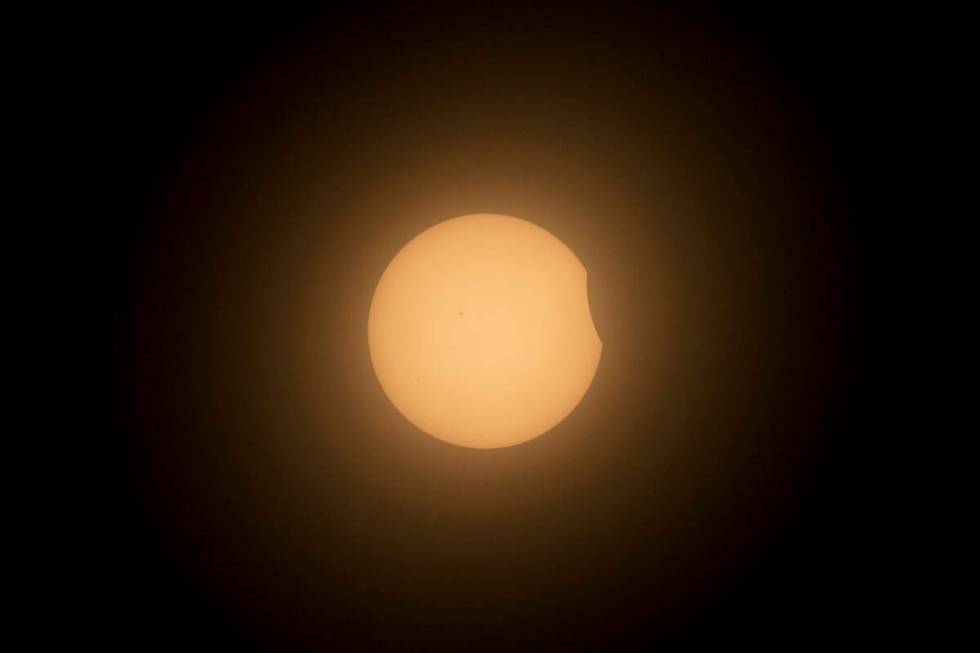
(707, 168)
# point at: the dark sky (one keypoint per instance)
(706, 167)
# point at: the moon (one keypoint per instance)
(480, 331)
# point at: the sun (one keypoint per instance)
(480, 331)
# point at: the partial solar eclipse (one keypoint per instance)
(480, 331)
